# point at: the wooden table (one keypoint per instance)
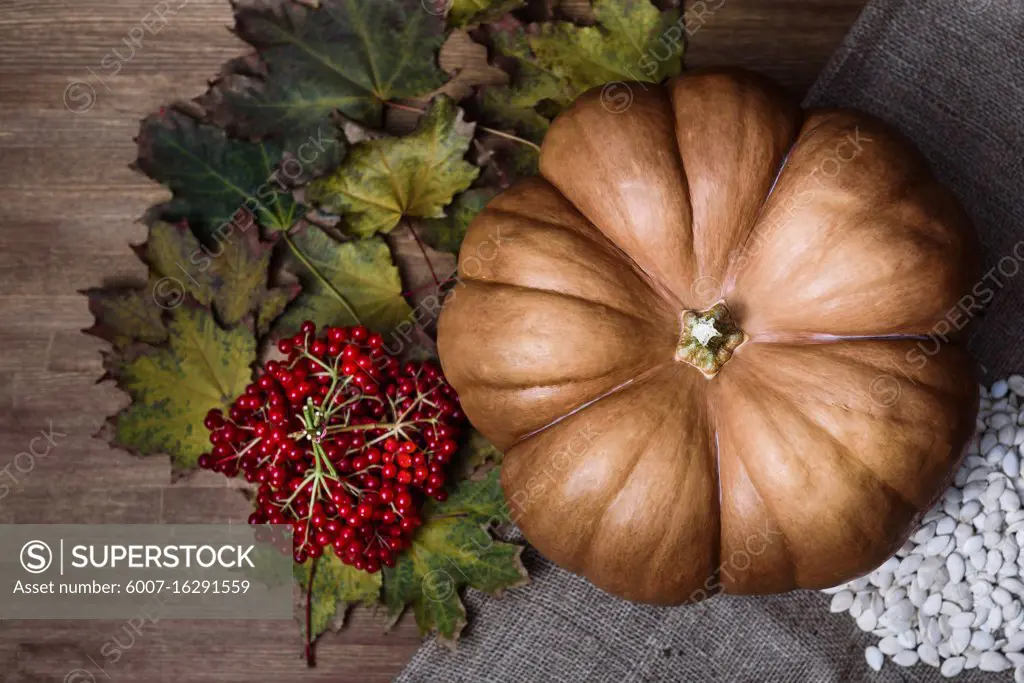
(68, 210)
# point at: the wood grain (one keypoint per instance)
(70, 206)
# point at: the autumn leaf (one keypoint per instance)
(202, 367)
(476, 452)
(451, 550)
(359, 274)
(231, 276)
(416, 175)
(346, 55)
(125, 315)
(311, 142)
(336, 586)
(212, 176)
(557, 61)
(239, 275)
(462, 12)
(169, 251)
(446, 234)
(274, 304)
(634, 42)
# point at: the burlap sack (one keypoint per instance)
(950, 74)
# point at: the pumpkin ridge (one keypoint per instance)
(773, 96)
(827, 338)
(586, 404)
(595, 237)
(769, 511)
(843, 451)
(658, 284)
(565, 295)
(586, 552)
(933, 390)
(771, 515)
(606, 504)
(731, 276)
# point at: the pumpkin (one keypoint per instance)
(719, 340)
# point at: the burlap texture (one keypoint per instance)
(950, 74)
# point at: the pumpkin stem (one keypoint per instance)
(708, 338)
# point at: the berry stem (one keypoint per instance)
(320, 276)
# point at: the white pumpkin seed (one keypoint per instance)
(952, 667)
(841, 601)
(875, 658)
(993, 661)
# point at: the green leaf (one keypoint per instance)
(462, 12)
(126, 315)
(476, 452)
(514, 110)
(451, 550)
(203, 366)
(232, 276)
(171, 251)
(361, 271)
(447, 233)
(417, 175)
(212, 176)
(347, 55)
(559, 61)
(273, 306)
(632, 43)
(336, 586)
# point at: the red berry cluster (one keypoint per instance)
(345, 442)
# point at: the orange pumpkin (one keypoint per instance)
(706, 339)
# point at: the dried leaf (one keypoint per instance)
(447, 233)
(231, 276)
(336, 586)
(557, 61)
(125, 315)
(633, 43)
(203, 367)
(347, 55)
(213, 177)
(360, 271)
(475, 453)
(451, 550)
(462, 12)
(416, 175)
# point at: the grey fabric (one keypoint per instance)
(950, 74)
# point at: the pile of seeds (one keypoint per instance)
(953, 596)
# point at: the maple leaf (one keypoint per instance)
(346, 55)
(462, 12)
(212, 176)
(416, 175)
(336, 586)
(451, 550)
(232, 276)
(476, 452)
(203, 366)
(311, 141)
(125, 315)
(446, 234)
(634, 42)
(557, 61)
(359, 272)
